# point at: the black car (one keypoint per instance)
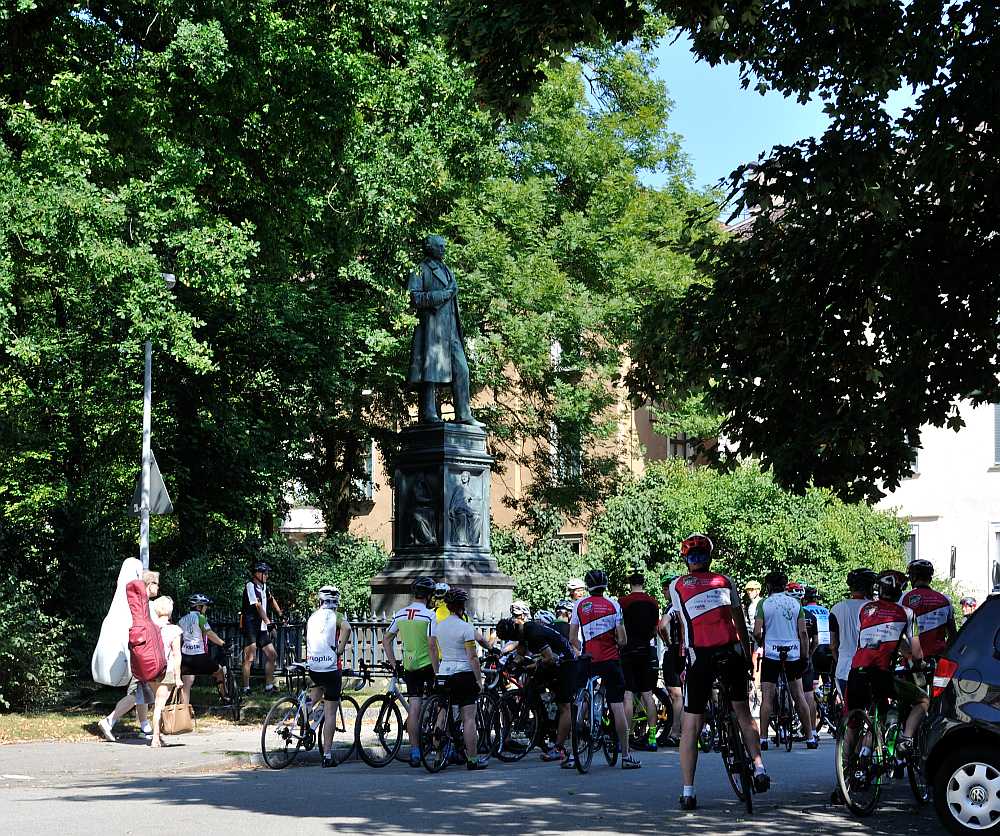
(962, 743)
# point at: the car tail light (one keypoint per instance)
(943, 673)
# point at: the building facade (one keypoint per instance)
(952, 502)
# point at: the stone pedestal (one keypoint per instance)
(441, 519)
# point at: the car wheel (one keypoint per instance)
(967, 790)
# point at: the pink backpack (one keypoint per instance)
(145, 644)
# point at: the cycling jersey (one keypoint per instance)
(253, 594)
(704, 601)
(881, 625)
(640, 613)
(932, 612)
(780, 613)
(195, 629)
(822, 616)
(321, 640)
(537, 637)
(598, 618)
(413, 625)
(454, 636)
(845, 622)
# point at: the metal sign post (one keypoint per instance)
(147, 421)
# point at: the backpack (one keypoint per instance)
(145, 645)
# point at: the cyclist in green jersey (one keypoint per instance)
(413, 626)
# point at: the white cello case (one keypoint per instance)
(109, 664)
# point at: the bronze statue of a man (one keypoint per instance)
(438, 354)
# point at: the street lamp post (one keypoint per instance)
(147, 422)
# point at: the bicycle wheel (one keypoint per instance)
(859, 763)
(915, 770)
(731, 748)
(664, 715)
(345, 739)
(520, 733)
(379, 732)
(234, 694)
(582, 732)
(609, 736)
(434, 741)
(282, 734)
(490, 724)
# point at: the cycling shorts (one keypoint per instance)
(560, 679)
(611, 675)
(770, 668)
(332, 683)
(866, 685)
(673, 665)
(822, 659)
(639, 669)
(725, 661)
(419, 681)
(461, 687)
(198, 664)
(252, 634)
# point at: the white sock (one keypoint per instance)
(687, 792)
(110, 720)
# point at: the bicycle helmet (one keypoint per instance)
(422, 587)
(697, 548)
(199, 600)
(506, 629)
(262, 567)
(441, 589)
(574, 584)
(520, 608)
(455, 599)
(668, 579)
(890, 585)
(861, 580)
(329, 596)
(546, 617)
(776, 581)
(564, 606)
(812, 594)
(920, 570)
(968, 601)
(899, 577)
(796, 590)
(595, 579)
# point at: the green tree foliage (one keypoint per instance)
(860, 304)
(756, 525)
(540, 566)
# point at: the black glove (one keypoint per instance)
(397, 669)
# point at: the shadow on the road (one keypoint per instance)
(518, 799)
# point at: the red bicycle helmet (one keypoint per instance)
(697, 545)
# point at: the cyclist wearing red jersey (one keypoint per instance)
(715, 635)
(932, 611)
(885, 630)
(598, 621)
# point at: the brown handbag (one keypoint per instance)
(177, 717)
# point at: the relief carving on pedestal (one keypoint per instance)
(465, 511)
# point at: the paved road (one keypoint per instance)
(525, 798)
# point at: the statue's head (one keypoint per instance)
(434, 246)
(465, 477)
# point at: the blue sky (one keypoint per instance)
(724, 125)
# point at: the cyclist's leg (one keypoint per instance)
(270, 655)
(912, 695)
(249, 651)
(614, 689)
(697, 690)
(330, 687)
(628, 703)
(794, 673)
(768, 686)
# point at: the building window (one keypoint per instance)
(910, 547)
(914, 443)
(567, 457)
(679, 447)
(365, 485)
(574, 541)
(996, 433)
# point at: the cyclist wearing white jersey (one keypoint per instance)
(845, 624)
(327, 632)
(780, 627)
(196, 656)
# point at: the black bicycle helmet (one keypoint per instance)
(595, 579)
(920, 570)
(861, 580)
(564, 606)
(506, 629)
(812, 594)
(422, 587)
(262, 567)
(891, 585)
(455, 598)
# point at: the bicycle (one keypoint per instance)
(231, 685)
(868, 760)
(386, 715)
(639, 732)
(830, 708)
(730, 741)
(592, 726)
(294, 723)
(441, 745)
(784, 717)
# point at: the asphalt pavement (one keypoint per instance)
(206, 784)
